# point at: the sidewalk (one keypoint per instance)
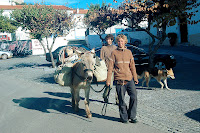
(192, 56)
(190, 52)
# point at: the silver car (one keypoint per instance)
(5, 54)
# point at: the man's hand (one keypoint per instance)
(136, 81)
(107, 84)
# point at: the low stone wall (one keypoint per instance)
(194, 39)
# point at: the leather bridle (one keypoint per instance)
(81, 77)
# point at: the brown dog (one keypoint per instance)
(160, 75)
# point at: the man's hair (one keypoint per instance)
(110, 36)
(123, 37)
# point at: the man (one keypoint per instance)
(107, 49)
(105, 55)
(125, 76)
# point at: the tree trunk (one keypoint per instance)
(153, 50)
(45, 51)
(183, 29)
(102, 39)
(50, 52)
(52, 59)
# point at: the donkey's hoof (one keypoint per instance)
(89, 116)
(117, 103)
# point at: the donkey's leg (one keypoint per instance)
(76, 99)
(87, 110)
(73, 101)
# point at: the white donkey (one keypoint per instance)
(82, 76)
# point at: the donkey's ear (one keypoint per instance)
(93, 51)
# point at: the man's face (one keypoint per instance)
(109, 41)
(121, 43)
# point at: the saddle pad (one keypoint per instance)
(100, 71)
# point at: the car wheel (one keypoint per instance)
(160, 66)
(4, 56)
(136, 43)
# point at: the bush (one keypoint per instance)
(172, 38)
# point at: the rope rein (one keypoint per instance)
(104, 109)
(96, 90)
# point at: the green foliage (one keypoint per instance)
(100, 18)
(42, 21)
(6, 24)
(160, 14)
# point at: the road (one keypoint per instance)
(27, 107)
(31, 101)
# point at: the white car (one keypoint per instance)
(6, 54)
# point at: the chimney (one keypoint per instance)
(77, 10)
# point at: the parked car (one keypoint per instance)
(161, 60)
(135, 42)
(5, 54)
(56, 52)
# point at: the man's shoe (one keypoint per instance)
(133, 120)
(125, 122)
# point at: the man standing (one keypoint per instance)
(105, 55)
(125, 76)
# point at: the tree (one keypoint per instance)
(6, 24)
(43, 22)
(99, 19)
(160, 14)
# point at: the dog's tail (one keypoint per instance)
(145, 74)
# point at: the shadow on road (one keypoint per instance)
(68, 95)
(46, 79)
(22, 65)
(43, 104)
(195, 114)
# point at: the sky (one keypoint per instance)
(74, 3)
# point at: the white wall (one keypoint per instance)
(94, 41)
(80, 27)
(5, 2)
(194, 30)
(22, 34)
(37, 49)
(169, 29)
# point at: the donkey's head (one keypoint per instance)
(88, 61)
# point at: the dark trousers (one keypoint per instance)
(130, 112)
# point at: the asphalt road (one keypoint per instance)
(28, 107)
(31, 101)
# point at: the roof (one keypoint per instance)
(58, 7)
(80, 11)
(12, 7)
